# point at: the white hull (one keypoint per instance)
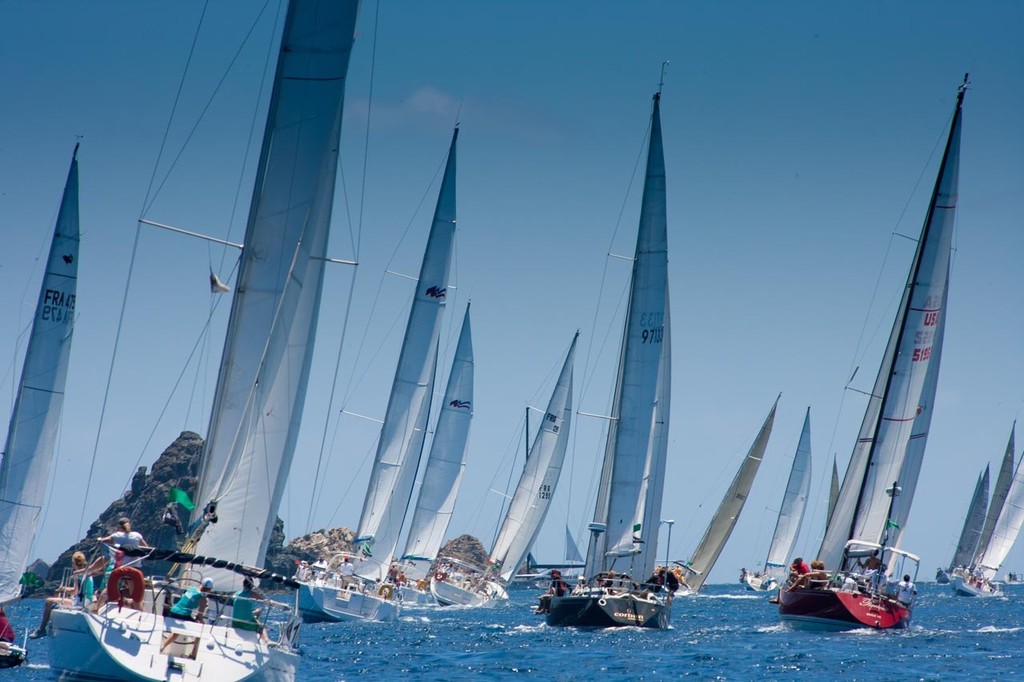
(963, 588)
(409, 595)
(764, 583)
(320, 602)
(124, 645)
(450, 594)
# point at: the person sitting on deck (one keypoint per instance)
(191, 606)
(798, 568)
(558, 589)
(815, 579)
(78, 593)
(872, 562)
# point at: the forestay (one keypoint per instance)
(445, 463)
(894, 431)
(266, 359)
(32, 433)
(405, 422)
(537, 483)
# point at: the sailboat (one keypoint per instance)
(791, 515)
(32, 433)
(628, 510)
(970, 534)
(327, 597)
(999, 535)
(526, 511)
(878, 488)
(260, 387)
(442, 474)
(728, 512)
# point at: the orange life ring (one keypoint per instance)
(386, 591)
(137, 584)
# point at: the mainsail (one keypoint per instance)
(28, 450)
(265, 364)
(999, 493)
(632, 474)
(791, 514)
(728, 512)
(445, 463)
(833, 491)
(405, 422)
(1007, 527)
(894, 431)
(537, 483)
(971, 532)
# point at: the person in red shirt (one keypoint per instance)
(6, 631)
(798, 568)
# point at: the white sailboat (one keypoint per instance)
(31, 436)
(878, 488)
(627, 514)
(970, 534)
(327, 597)
(977, 580)
(442, 474)
(527, 509)
(728, 512)
(261, 384)
(791, 515)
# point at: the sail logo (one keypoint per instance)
(58, 306)
(68, 258)
(437, 292)
(459, 404)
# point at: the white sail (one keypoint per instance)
(572, 550)
(971, 532)
(28, 450)
(833, 491)
(728, 512)
(895, 425)
(265, 364)
(445, 463)
(405, 422)
(1007, 528)
(537, 483)
(638, 431)
(999, 493)
(791, 514)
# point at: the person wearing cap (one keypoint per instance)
(125, 538)
(798, 568)
(243, 615)
(190, 606)
(558, 589)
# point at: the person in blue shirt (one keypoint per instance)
(190, 606)
(243, 615)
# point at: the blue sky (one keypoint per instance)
(799, 138)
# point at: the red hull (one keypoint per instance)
(834, 610)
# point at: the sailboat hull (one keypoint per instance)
(325, 603)
(962, 588)
(764, 583)
(450, 594)
(608, 611)
(11, 655)
(124, 645)
(831, 610)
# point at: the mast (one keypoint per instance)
(537, 483)
(894, 431)
(28, 451)
(635, 450)
(405, 422)
(268, 348)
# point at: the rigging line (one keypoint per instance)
(199, 119)
(366, 143)
(330, 402)
(341, 498)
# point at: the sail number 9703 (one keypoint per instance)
(652, 327)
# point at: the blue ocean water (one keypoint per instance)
(723, 634)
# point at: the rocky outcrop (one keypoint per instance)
(466, 548)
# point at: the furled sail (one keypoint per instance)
(28, 450)
(445, 463)
(791, 514)
(540, 475)
(405, 422)
(894, 431)
(720, 528)
(634, 461)
(266, 359)
(971, 532)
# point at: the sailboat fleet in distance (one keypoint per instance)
(424, 437)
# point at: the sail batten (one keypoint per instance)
(32, 433)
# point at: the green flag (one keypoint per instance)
(30, 580)
(181, 497)
(892, 524)
(636, 527)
